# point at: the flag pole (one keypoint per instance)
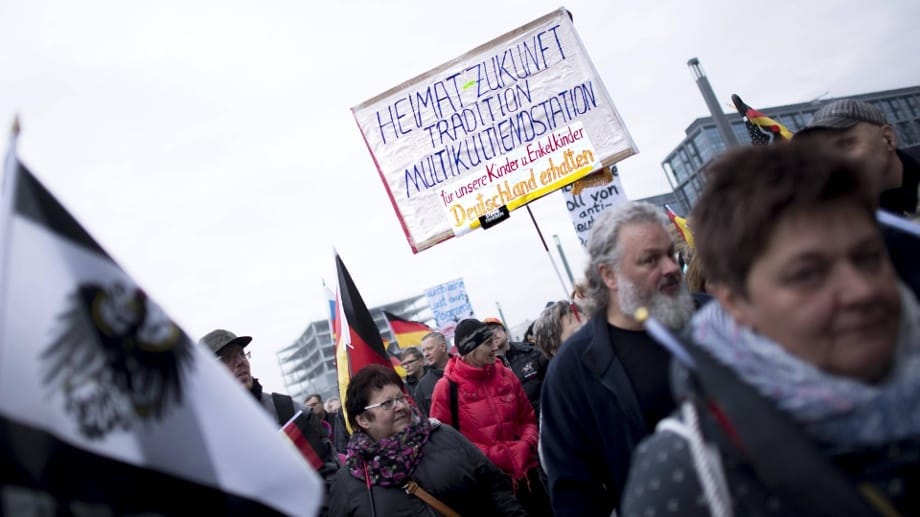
(548, 254)
(7, 201)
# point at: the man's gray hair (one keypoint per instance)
(437, 335)
(603, 246)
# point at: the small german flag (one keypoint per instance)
(408, 333)
(682, 227)
(762, 129)
(298, 431)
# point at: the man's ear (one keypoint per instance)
(608, 276)
(735, 303)
(890, 136)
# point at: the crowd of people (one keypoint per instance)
(796, 390)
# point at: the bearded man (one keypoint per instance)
(609, 386)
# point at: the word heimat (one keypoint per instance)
(550, 161)
(497, 73)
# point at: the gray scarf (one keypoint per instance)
(833, 409)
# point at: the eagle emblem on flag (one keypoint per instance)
(117, 359)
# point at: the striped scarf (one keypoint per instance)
(835, 410)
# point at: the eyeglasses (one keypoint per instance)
(410, 361)
(389, 404)
(229, 357)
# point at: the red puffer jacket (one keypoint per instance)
(494, 413)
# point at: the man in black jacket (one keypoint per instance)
(434, 348)
(609, 386)
(231, 350)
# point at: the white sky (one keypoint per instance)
(210, 147)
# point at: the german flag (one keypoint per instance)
(397, 365)
(682, 227)
(359, 342)
(763, 129)
(408, 333)
(297, 430)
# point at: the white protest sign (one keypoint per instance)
(450, 305)
(588, 204)
(512, 120)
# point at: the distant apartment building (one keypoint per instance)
(308, 364)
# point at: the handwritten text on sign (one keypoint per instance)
(444, 128)
(587, 205)
(450, 305)
(539, 168)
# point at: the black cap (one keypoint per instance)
(469, 334)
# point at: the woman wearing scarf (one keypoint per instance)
(485, 401)
(813, 324)
(392, 446)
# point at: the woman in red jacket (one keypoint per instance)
(485, 401)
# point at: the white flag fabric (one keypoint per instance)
(105, 404)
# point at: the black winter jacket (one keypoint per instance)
(529, 365)
(425, 388)
(452, 469)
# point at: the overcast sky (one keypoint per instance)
(210, 147)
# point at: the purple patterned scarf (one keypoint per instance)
(389, 461)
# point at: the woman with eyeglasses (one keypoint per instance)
(393, 451)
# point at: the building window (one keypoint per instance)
(913, 104)
(715, 140)
(695, 161)
(894, 105)
(705, 150)
(907, 134)
(676, 169)
(886, 109)
(741, 133)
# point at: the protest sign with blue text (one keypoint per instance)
(510, 121)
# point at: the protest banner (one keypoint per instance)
(450, 305)
(586, 204)
(506, 123)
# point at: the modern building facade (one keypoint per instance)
(672, 200)
(308, 364)
(685, 164)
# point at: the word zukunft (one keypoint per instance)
(492, 82)
(485, 142)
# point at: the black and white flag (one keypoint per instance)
(105, 404)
